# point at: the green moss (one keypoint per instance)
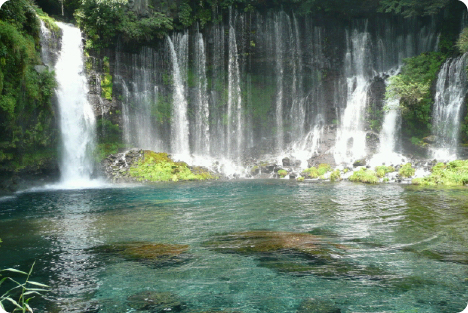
(454, 173)
(364, 176)
(406, 170)
(323, 168)
(160, 167)
(106, 80)
(300, 178)
(311, 172)
(335, 175)
(282, 173)
(381, 171)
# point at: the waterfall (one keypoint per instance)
(451, 91)
(388, 152)
(279, 42)
(139, 98)
(234, 108)
(180, 125)
(298, 111)
(351, 137)
(77, 121)
(202, 109)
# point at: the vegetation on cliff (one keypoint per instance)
(27, 119)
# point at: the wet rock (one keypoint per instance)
(430, 139)
(318, 306)
(292, 253)
(155, 302)
(156, 254)
(286, 162)
(359, 163)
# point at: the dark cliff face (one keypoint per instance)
(257, 83)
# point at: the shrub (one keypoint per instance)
(406, 170)
(364, 176)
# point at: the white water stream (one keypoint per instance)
(77, 121)
(451, 90)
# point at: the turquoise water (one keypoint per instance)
(389, 248)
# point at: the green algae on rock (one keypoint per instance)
(149, 166)
(157, 254)
(160, 167)
(292, 253)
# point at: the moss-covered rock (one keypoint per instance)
(291, 253)
(364, 176)
(160, 167)
(383, 170)
(406, 170)
(150, 166)
(156, 254)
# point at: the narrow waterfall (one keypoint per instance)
(351, 137)
(202, 109)
(180, 125)
(451, 90)
(279, 58)
(298, 112)
(77, 121)
(388, 152)
(234, 108)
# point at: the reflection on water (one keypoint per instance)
(244, 246)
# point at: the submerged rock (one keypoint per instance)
(156, 254)
(155, 302)
(292, 253)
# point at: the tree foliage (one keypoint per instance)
(409, 8)
(27, 122)
(105, 20)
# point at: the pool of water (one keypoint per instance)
(248, 246)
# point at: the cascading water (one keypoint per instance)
(180, 125)
(451, 90)
(351, 137)
(77, 121)
(389, 136)
(279, 51)
(262, 84)
(234, 106)
(202, 109)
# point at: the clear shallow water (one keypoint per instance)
(404, 248)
